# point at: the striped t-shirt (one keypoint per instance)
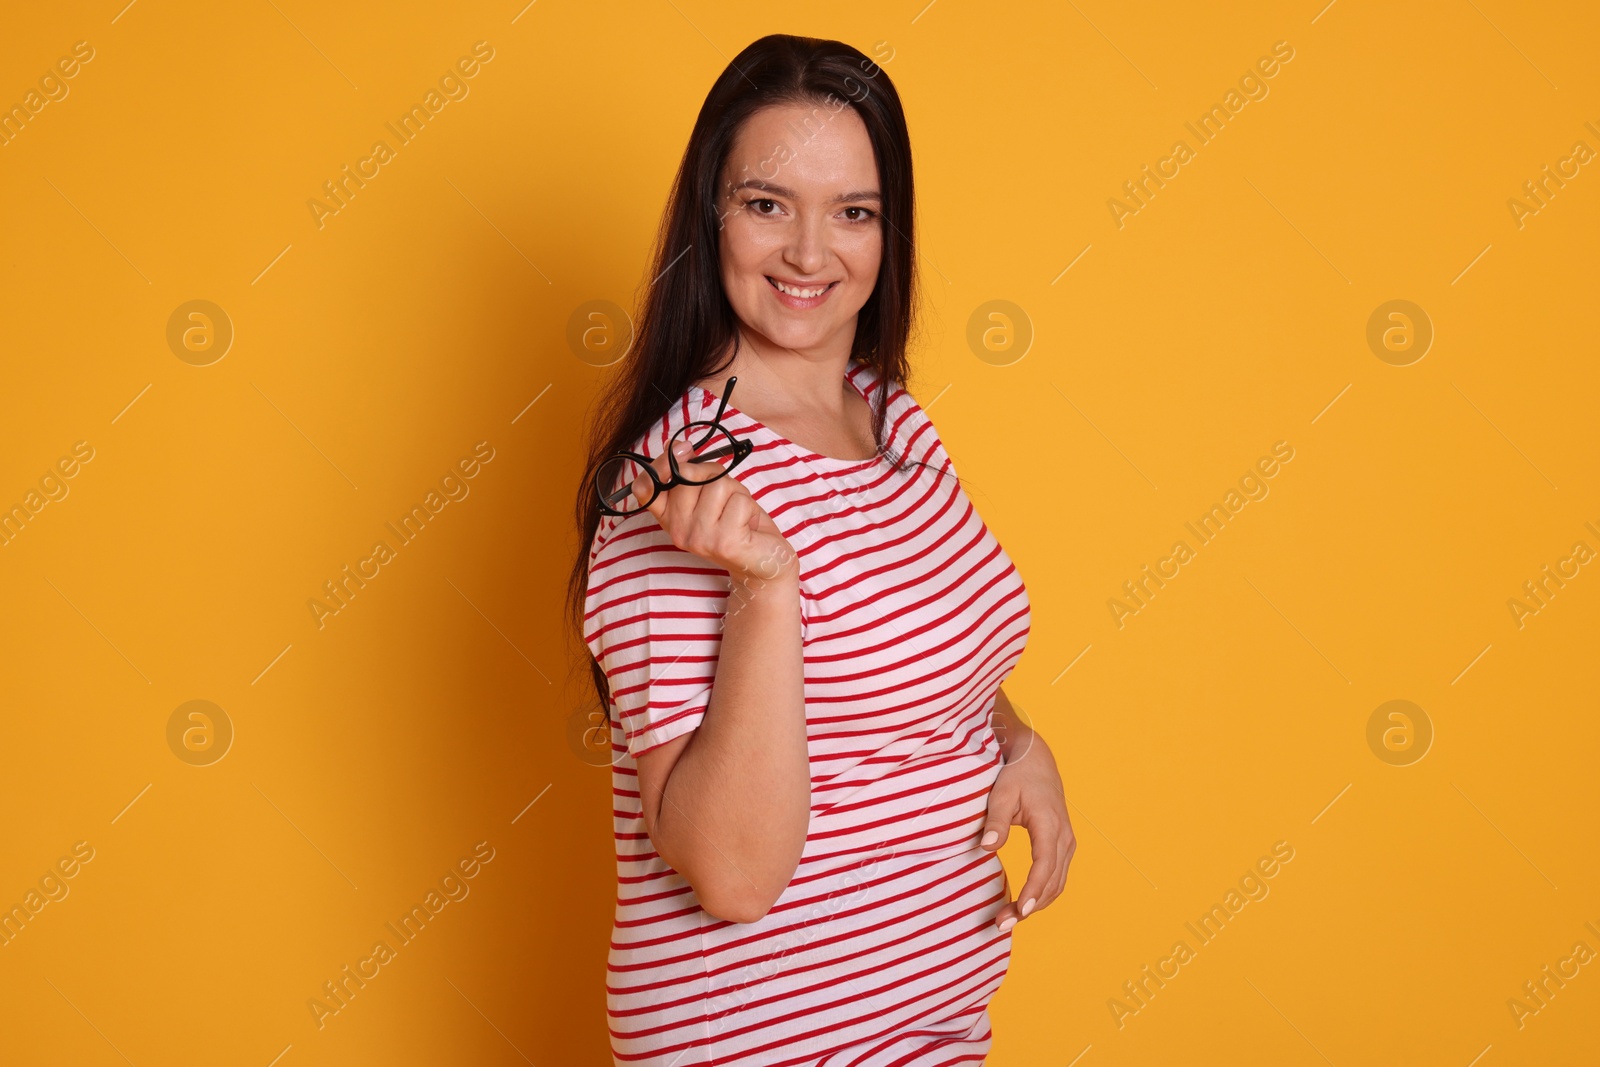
(882, 950)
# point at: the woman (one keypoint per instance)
(803, 655)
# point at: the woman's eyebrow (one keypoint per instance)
(769, 187)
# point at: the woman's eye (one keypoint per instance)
(769, 208)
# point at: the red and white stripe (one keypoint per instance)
(882, 951)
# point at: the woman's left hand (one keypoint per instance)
(1028, 792)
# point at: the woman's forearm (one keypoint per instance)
(1013, 735)
(737, 805)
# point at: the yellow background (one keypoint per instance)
(431, 313)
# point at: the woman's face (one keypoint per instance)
(800, 206)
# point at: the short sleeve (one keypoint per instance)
(653, 617)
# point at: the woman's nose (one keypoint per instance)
(808, 246)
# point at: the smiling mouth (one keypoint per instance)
(799, 292)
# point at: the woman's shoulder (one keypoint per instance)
(688, 405)
(870, 381)
(909, 425)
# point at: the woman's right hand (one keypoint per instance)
(719, 521)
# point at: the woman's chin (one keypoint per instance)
(795, 337)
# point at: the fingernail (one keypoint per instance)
(1027, 905)
(990, 838)
(1008, 924)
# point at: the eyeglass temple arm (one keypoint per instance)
(722, 404)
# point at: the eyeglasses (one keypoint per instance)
(710, 444)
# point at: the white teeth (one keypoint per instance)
(802, 293)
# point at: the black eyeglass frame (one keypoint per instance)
(740, 450)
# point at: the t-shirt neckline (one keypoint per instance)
(833, 463)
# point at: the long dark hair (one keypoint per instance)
(684, 319)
